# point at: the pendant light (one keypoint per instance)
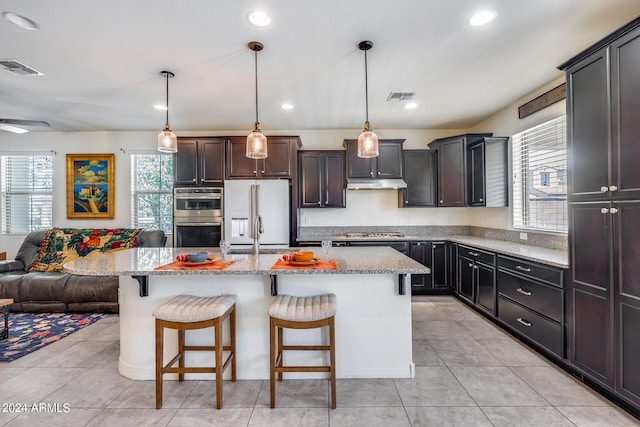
(256, 141)
(368, 140)
(167, 141)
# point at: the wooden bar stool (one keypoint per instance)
(310, 312)
(187, 312)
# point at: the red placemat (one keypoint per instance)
(320, 265)
(179, 265)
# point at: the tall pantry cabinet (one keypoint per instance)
(603, 125)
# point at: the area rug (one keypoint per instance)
(30, 331)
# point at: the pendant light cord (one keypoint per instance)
(167, 78)
(255, 52)
(366, 88)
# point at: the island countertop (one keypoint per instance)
(143, 261)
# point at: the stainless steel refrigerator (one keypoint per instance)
(244, 200)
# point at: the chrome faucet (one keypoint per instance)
(257, 231)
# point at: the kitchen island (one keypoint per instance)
(373, 321)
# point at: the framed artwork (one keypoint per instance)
(90, 188)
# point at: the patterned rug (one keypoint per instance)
(31, 331)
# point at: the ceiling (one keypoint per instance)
(102, 61)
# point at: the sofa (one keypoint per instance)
(35, 280)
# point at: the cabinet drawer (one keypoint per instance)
(477, 255)
(545, 273)
(544, 299)
(543, 331)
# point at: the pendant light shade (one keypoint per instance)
(256, 141)
(368, 140)
(167, 140)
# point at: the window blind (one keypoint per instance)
(539, 177)
(152, 191)
(26, 193)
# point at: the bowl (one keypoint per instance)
(197, 256)
(303, 256)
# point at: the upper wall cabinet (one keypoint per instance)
(388, 165)
(487, 172)
(452, 181)
(279, 164)
(322, 180)
(199, 161)
(419, 174)
(603, 121)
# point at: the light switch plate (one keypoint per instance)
(523, 236)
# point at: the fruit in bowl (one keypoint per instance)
(303, 256)
(197, 256)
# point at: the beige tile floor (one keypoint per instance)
(468, 373)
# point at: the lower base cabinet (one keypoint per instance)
(432, 255)
(477, 277)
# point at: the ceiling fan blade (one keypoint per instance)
(12, 129)
(19, 122)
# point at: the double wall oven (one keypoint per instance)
(198, 216)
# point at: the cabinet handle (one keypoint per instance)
(474, 254)
(604, 189)
(613, 188)
(604, 210)
(613, 210)
(521, 268)
(523, 292)
(524, 322)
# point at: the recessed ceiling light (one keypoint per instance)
(410, 105)
(20, 21)
(259, 18)
(287, 106)
(482, 18)
(161, 107)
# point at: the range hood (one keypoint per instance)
(375, 184)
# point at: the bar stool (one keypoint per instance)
(293, 312)
(187, 312)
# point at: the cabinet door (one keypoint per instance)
(185, 162)
(591, 314)
(278, 164)
(421, 252)
(390, 160)
(211, 158)
(451, 173)
(477, 175)
(439, 265)
(466, 278)
(419, 176)
(625, 92)
(311, 175)
(358, 167)
(334, 181)
(588, 125)
(238, 164)
(486, 286)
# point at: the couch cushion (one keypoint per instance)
(9, 285)
(62, 245)
(42, 286)
(82, 289)
(30, 248)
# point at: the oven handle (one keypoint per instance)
(214, 197)
(193, 224)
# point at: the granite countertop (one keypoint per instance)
(553, 257)
(142, 261)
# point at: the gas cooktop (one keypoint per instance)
(375, 235)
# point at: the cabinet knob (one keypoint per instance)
(613, 188)
(262, 171)
(441, 201)
(406, 202)
(319, 202)
(604, 210)
(604, 189)
(256, 172)
(482, 200)
(471, 264)
(371, 173)
(613, 210)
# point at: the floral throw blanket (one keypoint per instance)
(62, 245)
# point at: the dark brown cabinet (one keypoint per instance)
(434, 256)
(321, 178)
(199, 161)
(603, 124)
(388, 164)
(419, 170)
(452, 168)
(477, 277)
(487, 167)
(279, 163)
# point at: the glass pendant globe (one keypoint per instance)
(256, 145)
(167, 142)
(368, 144)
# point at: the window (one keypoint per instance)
(540, 177)
(151, 191)
(26, 191)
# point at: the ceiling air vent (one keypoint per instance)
(400, 96)
(18, 68)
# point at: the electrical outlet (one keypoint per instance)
(523, 236)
